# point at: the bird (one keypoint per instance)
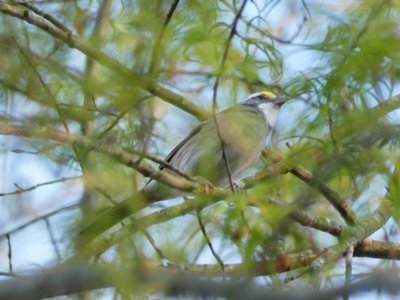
(239, 132)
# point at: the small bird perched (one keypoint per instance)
(244, 130)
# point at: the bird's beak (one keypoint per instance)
(279, 101)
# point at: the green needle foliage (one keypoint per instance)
(105, 89)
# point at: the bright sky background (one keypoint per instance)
(32, 247)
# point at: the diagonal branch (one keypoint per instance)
(300, 172)
(42, 217)
(45, 15)
(128, 159)
(131, 160)
(155, 55)
(34, 187)
(100, 245)
(73, 41)
(215, 91)
(210, 245)
(341, 205)
(354, 235)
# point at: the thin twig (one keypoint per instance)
(151, 157)
(265, 33)
(10, 264)
(121, 69)
(57, 211)
(331, 133)
(186, 207)
(45, 15)
(364, 227)
(31, 188)
(155, 55)
(373, 14)
(210, 245)
(120, 116)
(53, 99)
(89, 100)
(120, 155)
(45, 87)
(348, 262)
(215, 92)
(53, 239)
(164, 164)
(341, 205)
(154, 245)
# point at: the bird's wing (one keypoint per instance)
(174, 151)
(171, 155)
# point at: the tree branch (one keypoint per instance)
(155, 54)
(72, 41)
(215, 92)
(131, 160)
(354, 235)
(43, 217)
(101, 244)
(67, 280)
(300, 172)
(34, 187)
(378, 249)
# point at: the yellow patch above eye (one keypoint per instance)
(269, 94)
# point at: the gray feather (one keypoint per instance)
(244, 129)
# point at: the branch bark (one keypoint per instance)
(131, 160)
(300, 172)
(67, 280)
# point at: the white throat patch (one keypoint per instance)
(270, 111)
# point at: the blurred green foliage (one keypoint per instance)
(332, 60)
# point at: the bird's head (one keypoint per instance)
(266, 102)
(265, 97)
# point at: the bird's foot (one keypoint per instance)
(238, 185)
(208, 187)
